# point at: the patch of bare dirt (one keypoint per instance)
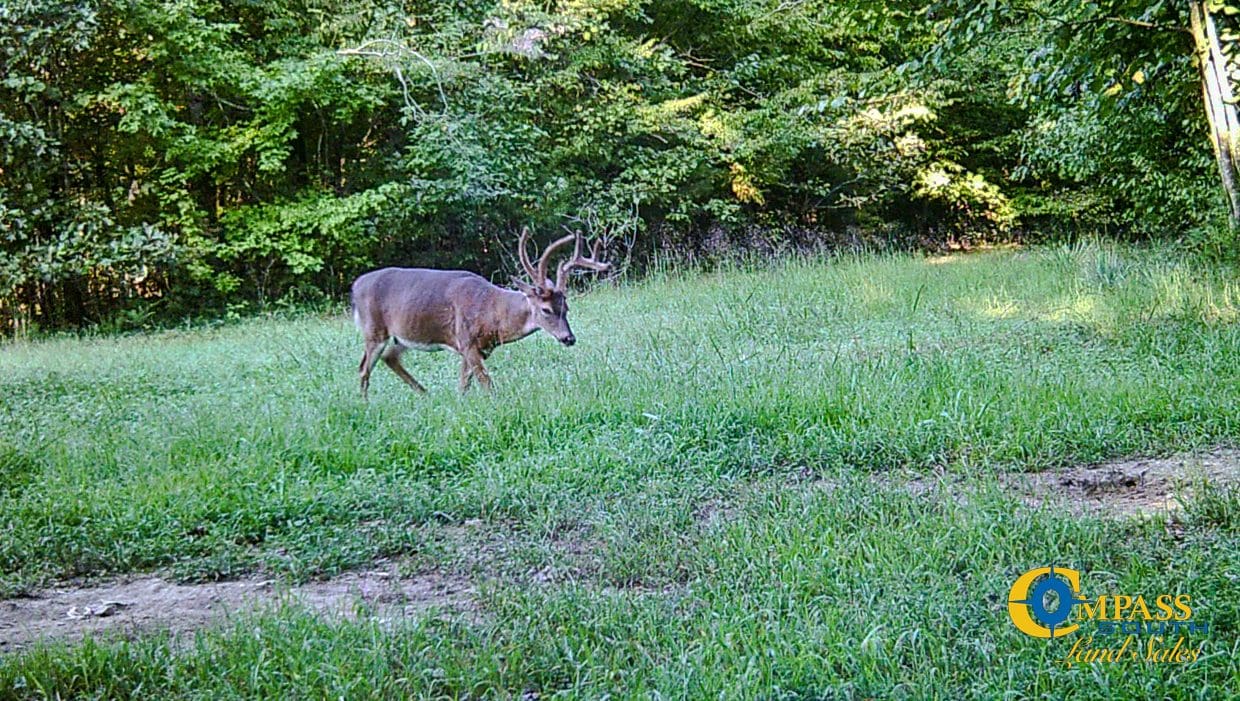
(1128, 487)
(571, 554)
(1142, 486)
(151, 603)
(715, 512)
(496, 550)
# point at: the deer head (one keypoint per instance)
(548, 308)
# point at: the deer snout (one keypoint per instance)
(568, 340)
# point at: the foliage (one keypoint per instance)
(1114, 105)
(197, 154)
(143, 136)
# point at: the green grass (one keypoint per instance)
(217, 453)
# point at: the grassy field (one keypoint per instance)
(689, 503)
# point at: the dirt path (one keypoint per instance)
(1120, 488)
(151, 603)
(1117, 488)
(1145, 486)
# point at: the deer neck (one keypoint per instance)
(518, 318)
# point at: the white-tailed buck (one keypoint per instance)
(397, 309)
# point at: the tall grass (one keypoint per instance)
(220, 452)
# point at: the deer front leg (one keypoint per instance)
(484, 379)
(471, 365)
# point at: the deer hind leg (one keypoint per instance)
(369, 357)
(391, 356)
(465, 375)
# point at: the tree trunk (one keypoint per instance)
(1219, 103)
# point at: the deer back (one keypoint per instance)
(429, 307)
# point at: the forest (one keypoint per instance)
(163, 160)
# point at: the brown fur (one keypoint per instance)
(455, 309)
(432, 309)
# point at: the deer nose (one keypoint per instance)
(568, 340)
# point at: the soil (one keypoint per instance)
(151, 603)
(1146, 486)
(1142, 487)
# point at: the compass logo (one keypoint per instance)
(1041, 601)
(1046, 602)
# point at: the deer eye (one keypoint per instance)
(546, 311)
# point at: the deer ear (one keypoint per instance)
(525, 287)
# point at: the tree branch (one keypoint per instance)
(1141, 24)
(396, 50)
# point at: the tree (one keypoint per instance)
(1220, 105)
(1115, 80)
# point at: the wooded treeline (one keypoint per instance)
(163, 159)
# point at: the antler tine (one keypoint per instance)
(546, 256)
(577, 261)
(525, 257)
(561, 270)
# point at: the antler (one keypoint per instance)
(538, 274)
(577, 261)
(546, 258)
(525, 257)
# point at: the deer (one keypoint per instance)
(425, 309)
